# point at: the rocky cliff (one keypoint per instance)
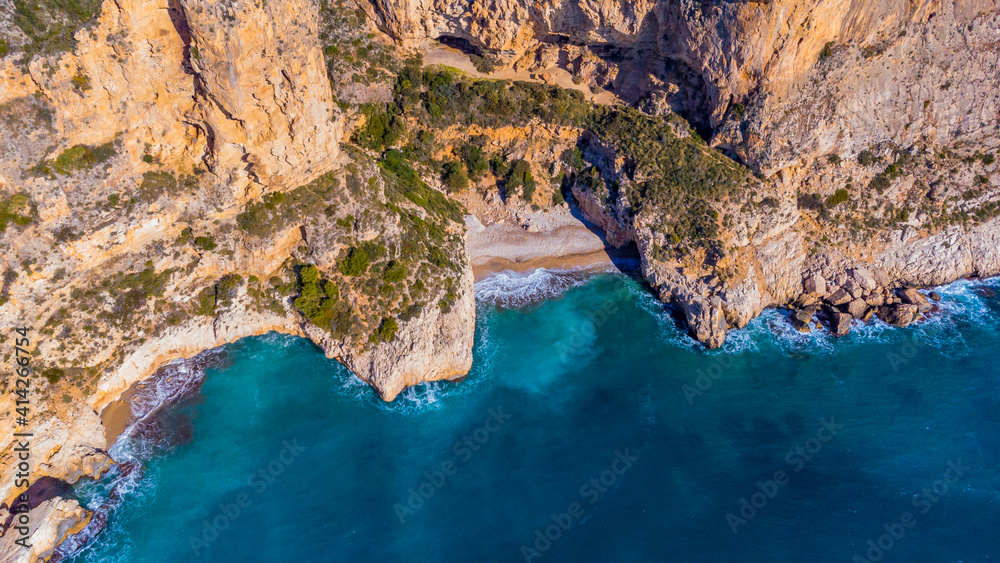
(872, 126)
(176, 176)
(173, 180)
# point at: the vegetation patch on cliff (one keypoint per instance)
(51, 24)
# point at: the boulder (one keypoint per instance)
(855, 308)
(914, 297)
(853, 288)
(875, 300)
(911, 296)
(898, 315)
(864, 278)
(840, 323)
(806, 300)
(839, 297)
(801, 319)
(935, 296)
(815, 285)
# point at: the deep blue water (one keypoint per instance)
(595, 383)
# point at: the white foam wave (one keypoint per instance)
(962, 303)
(513, 290)
(176, 380)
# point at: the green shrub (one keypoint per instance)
(838, 197)
(51, 24)
(318, 301)
(519, 176)
(53, 375)
(380, 130)
(827, 50)
(17, 209)
(454, 176)
(79, 157)
(227, 287)
(403, 181)
(880, 183)
(574, 159)
(676, 172)
(498, 167)
(474, 159)
(356, 262)
(205, 243)
(276, 210)
(81, 82)
(206, 302)
(156, 184)
(394, 272)
(866, 158)
(386, 331)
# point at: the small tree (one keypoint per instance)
(455, 177)
(356, 262)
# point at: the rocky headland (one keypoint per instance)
(179, 175)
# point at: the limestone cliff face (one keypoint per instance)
(136, 162)
(266, 107)
(240, 87)
(792, 88)
(781, 82)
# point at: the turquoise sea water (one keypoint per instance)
(592, 418)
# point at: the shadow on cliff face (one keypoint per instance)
(626, 259)
(460, 43)
(636, 71)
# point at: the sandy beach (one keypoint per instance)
(556, 239)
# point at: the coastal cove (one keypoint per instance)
(591, 427)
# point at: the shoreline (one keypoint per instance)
(116, 415)
(554, 239)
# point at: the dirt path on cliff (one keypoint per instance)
(437, 54)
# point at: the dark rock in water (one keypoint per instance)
(836, 321)
(801, 320)
(935, 296)
(912, 297)
(840, 323)
(984, 291)
(899, 315)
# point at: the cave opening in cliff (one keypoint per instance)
(460, 43)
